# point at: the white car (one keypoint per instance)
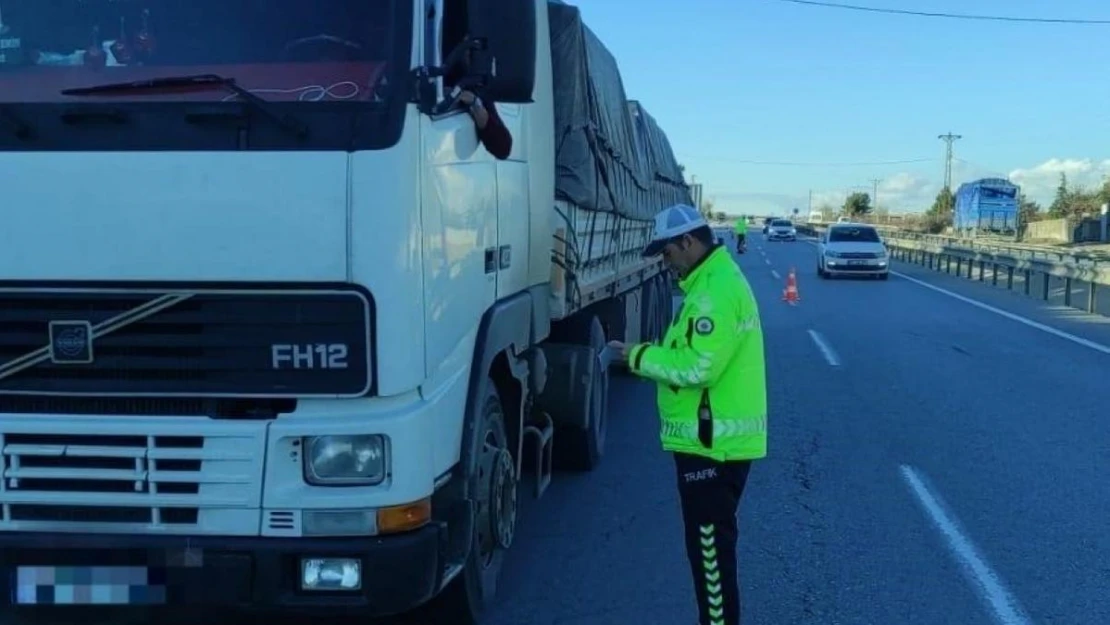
(852, 250)
(781, 230)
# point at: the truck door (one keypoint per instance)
(459, 209)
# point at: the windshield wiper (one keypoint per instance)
(19, 128)
(291, 124)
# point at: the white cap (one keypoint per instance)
(671, 223)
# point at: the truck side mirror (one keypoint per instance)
(507, 59)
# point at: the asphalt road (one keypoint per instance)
(931, 462)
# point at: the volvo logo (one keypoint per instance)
(71, 342)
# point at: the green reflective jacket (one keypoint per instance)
(741, 226)
(711, 375)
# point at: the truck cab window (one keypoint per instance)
(454, 30)
(304, 54)
(58, 40)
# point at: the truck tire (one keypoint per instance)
(650, 327)
(581, 449)
(494, 484)
(666, 292)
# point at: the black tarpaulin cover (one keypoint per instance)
(610, 155)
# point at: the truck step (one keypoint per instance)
(543, 434)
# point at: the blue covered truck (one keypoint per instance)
(987, 206)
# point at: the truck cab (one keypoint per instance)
(272, 316)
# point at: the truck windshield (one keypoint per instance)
(302, 52)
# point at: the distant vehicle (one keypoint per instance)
(852, 250)
(815, 217)
(843, 220)
(767, 223)
(987, 206)
(782, 230)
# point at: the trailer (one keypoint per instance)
(988, 207)
(278, 332)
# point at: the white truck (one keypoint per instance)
(275, 330)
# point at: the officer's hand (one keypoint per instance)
(622, 348)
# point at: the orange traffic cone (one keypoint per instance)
(790, 293)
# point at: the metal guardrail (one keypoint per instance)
(1081, 279)
(1075, 280)
(1015, 250)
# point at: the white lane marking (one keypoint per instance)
(1078, 340)
(826, 349)
(1006, 609)
(767, 260)
(775, 274)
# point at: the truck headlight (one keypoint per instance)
(331, 574)
(345, 460)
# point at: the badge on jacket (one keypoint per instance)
(703, 326)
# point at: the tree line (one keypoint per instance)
(1071, 200)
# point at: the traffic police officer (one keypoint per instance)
(741, 231)
(712, 398)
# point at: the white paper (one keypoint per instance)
(607, 356)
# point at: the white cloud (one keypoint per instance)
(901, 192)
(1040, 182)
(913, 192)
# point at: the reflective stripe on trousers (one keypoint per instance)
(714, 592)
(722, 428)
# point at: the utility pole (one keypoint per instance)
(875, 192)
(811, 200)
(948, 139)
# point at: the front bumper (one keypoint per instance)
(856, 268)
(781, 236)
(399, 572)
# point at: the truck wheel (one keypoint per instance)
(494, 485)
(582, 449)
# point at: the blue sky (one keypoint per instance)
(764, 80)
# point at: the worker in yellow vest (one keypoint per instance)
(712, 398)
(741, 233)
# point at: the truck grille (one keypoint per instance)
(858, 255)
(120, 481)
(196, 343)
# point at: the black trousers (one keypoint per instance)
(710, 494)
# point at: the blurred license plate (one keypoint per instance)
(857, 262)
(85, 585)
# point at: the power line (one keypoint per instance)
(948, 139)
(956, 16)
